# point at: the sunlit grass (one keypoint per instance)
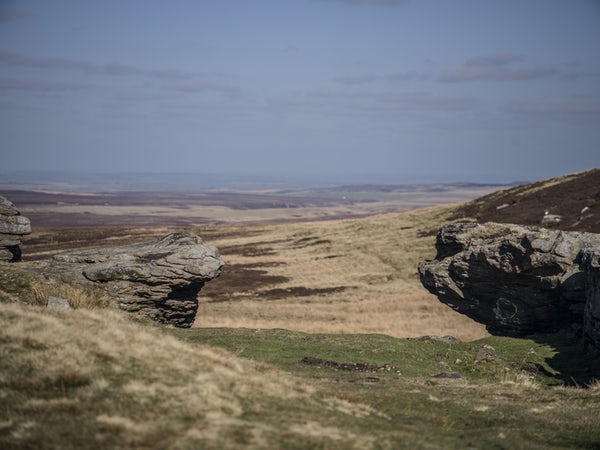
(374, 258)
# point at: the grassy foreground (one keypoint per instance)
(99, 379)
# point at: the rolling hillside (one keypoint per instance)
(574, 197)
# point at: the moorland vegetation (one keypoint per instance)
(316, 335)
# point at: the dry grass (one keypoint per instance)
(19, 285)
(133, 386)
(374, 258)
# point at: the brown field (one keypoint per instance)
(352, 275)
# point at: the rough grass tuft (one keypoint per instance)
(19, 285)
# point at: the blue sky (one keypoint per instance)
(390, 90)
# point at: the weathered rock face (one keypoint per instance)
(12, 226)
(160, 279)
(515, 279)
(591, 318)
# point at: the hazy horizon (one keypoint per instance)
(379, 91)
(191, 180)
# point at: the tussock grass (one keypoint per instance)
(96, 379)
(81, 379)
(17, 284)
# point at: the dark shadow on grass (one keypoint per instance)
(575, 364)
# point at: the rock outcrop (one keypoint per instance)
(160, 279)
(517, 279)
(591, 318)
(12, 226)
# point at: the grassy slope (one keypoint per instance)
(97, 379)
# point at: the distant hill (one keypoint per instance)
(574, 197)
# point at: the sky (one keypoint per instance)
(381, 90)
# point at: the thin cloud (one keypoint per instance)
(493, 68)
(12, 84)
(476, 73)
(360, 101)
(361, 79)
(426, 101)
(395, 77)
(496, 59)
(554, 108)
(9, 16)
(16, 59)
(108, 69)
(194, 86)
(406, 76)
(371, 2)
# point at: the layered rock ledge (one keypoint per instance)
(12, 227)
(160, 279)
(518, 280)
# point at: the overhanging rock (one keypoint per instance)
(160, 279)
(591, 318)
(515, 279)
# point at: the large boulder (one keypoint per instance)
(12, 227)
(515, 279)
(591, 318)
(160, 279)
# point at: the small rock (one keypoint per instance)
(438, 338)
(58, 302)
(487, 353)
(551, 219)
(449, 375)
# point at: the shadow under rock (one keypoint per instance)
(575, 364)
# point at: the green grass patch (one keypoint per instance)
(511, 392)
(490, 360)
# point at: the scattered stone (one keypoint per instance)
(551, 219)
(58, 302)
(449, 376)
(353, 367)
(565, 196)
(438, 338)
(516, 279)
(486, 353)
(160, 279)
(12, 226)
(502, 206)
